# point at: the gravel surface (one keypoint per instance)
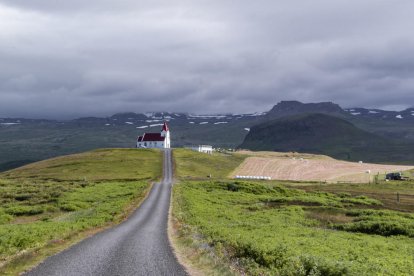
(138, 246)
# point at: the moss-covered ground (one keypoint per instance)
(271, 228)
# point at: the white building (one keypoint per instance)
(155, 140)
(203, 148)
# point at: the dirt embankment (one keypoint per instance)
(307, 167)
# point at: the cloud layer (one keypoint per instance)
(78, 58)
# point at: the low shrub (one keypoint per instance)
(383, 228)
(22, 197)
(234, 187)
(24, 210)
(5, 218)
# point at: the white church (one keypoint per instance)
(155, 140)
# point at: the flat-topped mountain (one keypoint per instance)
(324, 134)
(288, 108)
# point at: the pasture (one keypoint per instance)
(269, 228)
(318, 216)
(190, 164)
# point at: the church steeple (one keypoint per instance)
(165, 132)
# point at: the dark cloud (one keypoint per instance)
(80, 58)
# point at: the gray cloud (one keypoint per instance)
(80, 58)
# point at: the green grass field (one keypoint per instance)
(101, 164)
(52, 201)
(272, 229)
(194, 165)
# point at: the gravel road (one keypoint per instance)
(138, 246)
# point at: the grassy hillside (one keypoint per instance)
(324, 134)
(190, 164)
(46, 205)
(270, 229)
(101, 164)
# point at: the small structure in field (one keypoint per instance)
(203, 148)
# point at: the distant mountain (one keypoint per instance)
(289, 108)
(404, 115)
(128, 116)
(388, 124)
(28, 140)
(325, 134)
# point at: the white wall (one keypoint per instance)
(156, 144)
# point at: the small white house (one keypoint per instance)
(155, 140)
(203, 148)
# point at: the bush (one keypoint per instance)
(69, 207)
(234, 187)
(24, 210)
(22, 197)
(5, 218)
(382, 228)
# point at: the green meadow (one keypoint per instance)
(54, 201)
(194, 165)
(272, 229)
(228, 227)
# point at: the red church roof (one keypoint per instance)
(151, 137)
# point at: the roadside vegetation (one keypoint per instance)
(394, 195)
(190, 164)
(48, 204)
(272, 228)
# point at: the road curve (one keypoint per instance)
(138, 246)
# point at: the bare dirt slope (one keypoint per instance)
(308, 167)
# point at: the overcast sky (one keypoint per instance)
(64, 59)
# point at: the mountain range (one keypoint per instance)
(27, 140)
